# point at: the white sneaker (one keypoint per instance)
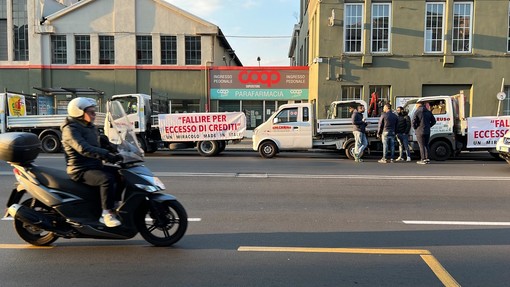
(408, 158)
(399, 159)
(110, 220)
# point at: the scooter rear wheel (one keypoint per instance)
(162, 224)
(30, 233)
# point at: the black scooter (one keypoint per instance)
(59, 207)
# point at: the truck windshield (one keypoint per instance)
(130, 104)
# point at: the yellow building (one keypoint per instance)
(402, 48)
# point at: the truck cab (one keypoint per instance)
(291, 127)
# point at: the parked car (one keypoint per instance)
(503, 147)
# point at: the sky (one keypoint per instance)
(254, 28)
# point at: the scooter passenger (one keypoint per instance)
(84, 156)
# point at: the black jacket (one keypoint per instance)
(423, 120)
(358, 125)
(403, 124)
(81, 144)
(388, 123)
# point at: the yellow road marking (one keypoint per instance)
(23, 246)
(429, 259)
(439, 270)
(335, 250)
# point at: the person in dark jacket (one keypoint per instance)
(84, 156)
(423, 120)
(359, 125)
(387, 129)
(403, 129)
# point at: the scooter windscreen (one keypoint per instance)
(120, 132)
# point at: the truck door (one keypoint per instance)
(293, 129)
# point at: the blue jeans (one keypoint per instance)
(403, 145)
(388, 138)
(361, 142)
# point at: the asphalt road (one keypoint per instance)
(301, 219)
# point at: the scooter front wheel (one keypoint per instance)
(33, 234)
(162, 224)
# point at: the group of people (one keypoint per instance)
(393, 127)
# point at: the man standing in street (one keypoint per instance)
(423, 120)
(386, 131)
(359, 125)
(403, 129)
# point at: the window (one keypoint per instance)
(381, 19)
(193, 50)
(3, 30)
(288, 115)
(351, 93)
(434, 27)
(462, 16)
(20, 26)
(353, 28)
(143, 50)
(58, 49)
(508, 39)
(505, 104)
(379, 96)
(82, 49)
(168, 50)
(438, 107)
(106, 50)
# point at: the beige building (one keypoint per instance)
(115, 46)
(398, 49)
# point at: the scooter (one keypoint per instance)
(47, 204)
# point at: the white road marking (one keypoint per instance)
(334, 176)
(473, 223)
(322, 176)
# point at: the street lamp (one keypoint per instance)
(258, 60)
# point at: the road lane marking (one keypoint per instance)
(426, 256)
(323, 176)
(378, 251)
(439, 270)
(23, 246)
(474, 223)
(334, 176)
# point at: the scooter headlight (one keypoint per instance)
(155, 184)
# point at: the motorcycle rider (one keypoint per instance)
(84, 156)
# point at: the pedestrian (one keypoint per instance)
(84, 156)
(386, 131)
(359, 125)
(403, 129)
(423, 120)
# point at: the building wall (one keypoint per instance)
(123, 19)
(406, 68)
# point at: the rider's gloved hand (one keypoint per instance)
(113, 158)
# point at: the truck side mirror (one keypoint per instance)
(276, 120)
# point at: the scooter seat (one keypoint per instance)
(59, 179)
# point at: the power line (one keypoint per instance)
(258, 37)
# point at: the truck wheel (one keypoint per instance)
(268, 149)
(50, 143)
(440, 151)
(208, 148)
(349, 150)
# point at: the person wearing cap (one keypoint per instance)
(84, 156)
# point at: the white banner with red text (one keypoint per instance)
(202, 126)
(484, 132)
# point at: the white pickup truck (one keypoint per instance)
(209, 133)
(13, 118)
(294, 127)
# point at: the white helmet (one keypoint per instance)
(76, 107)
